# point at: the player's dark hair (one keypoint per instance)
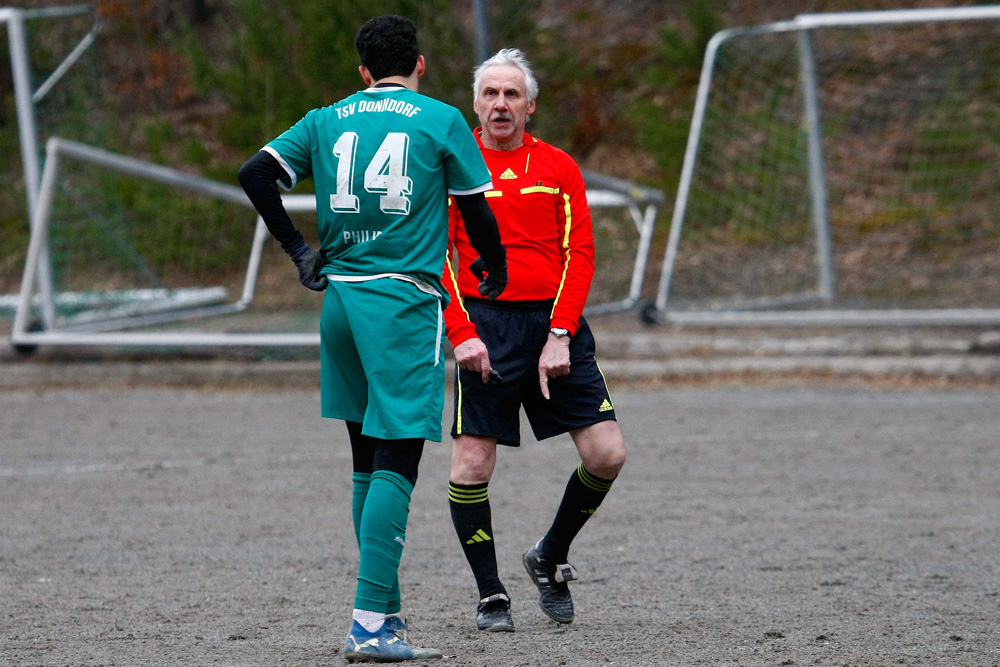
(388, 46)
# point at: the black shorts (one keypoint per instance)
(514, 334)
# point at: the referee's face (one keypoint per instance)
(503, 107)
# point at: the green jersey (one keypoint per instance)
(383, 161)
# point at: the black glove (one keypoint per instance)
(309, 262)
(495, 281)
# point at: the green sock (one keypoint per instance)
(381, 536)
(362, 482)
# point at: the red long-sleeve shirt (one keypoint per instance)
(540, 202)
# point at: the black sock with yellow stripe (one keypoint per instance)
(584, 494)
(470, 512)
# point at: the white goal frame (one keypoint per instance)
(36, 285)
(26, 101)
(35, 306)
(803, 25)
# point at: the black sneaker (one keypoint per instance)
(551, 581)
(493, 614)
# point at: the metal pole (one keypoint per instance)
(36, 250)
(897, 16)
(817, 172)
(25, 109)
(687, 170)
(260, 235)
(646, 226)
(481, 29)
(28, 132)
(60, 71)
(153, 172)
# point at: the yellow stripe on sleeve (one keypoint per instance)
(458, 383)
(454, 284)
(569, 222)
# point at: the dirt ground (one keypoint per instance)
(750, 526)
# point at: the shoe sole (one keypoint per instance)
(531, 573)
(354, 657)
(498, 628)
(358, 657)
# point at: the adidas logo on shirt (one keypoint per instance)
(606, 406)
(507, 175)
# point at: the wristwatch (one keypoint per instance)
(559, 332)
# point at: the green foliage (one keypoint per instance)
(249, 69)
(13, 206)
(274, 61)
(137, 239)
(663, 116)
(264, 66)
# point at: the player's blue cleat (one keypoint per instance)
(383, 645)
(396, 624)
(551, 580)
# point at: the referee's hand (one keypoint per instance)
(553, 362)
(473, 356)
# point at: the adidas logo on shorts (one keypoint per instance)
(606, 406)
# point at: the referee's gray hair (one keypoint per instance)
(514, 57)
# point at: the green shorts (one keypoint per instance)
(381, 361)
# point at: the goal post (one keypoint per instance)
(619, 262)
(27, 100)
(842, 169)
(111, 282)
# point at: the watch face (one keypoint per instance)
(556, 331)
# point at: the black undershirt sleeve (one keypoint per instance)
(259, 178)
(481, 226)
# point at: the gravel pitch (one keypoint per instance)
(750, 526)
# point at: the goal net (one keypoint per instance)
(127, 253)
(846, 161)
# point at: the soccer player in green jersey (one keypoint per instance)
(384, 162)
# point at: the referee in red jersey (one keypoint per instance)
(531, 347)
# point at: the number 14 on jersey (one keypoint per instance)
(385, 174)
